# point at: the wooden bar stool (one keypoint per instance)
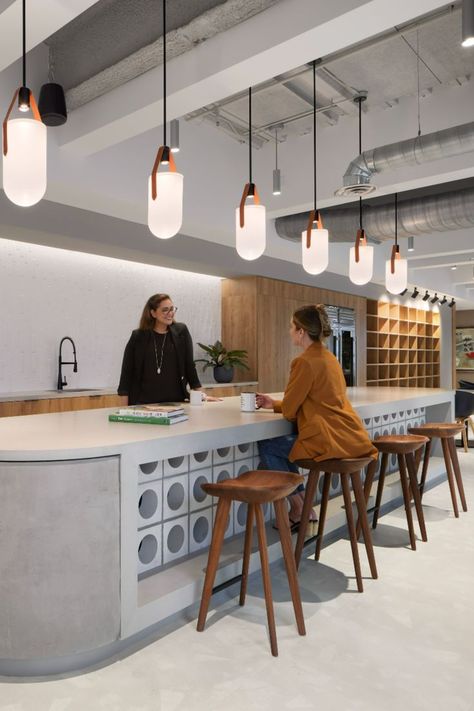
(404, 447)
(446, 432)
(347, 469)
(255, 488)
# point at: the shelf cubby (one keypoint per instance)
(403, 345)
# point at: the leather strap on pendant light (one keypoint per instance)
(395, 255)
(361, 239)
(34, 109)
(249, 189)
(156, 165)
(314, 217)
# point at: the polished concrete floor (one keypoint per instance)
(406, 643)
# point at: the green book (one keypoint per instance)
(115, 417)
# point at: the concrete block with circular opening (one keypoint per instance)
(175, 496)
(200, 529)
(243, 465)
(199, 460)
(149, 471)
(222, 471)
(230, 521)
(244, 450)
(149, 548)
(149, 503)
(198, 499)
(175, 539)
(224, 454)
(176, 465)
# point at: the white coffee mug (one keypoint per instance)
(248, 402)
(195, 397)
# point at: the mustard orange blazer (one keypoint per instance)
(315, 396)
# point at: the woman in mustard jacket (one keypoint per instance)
(315, 398)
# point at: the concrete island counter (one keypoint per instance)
(105, 527)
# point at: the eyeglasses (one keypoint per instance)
(169, 310)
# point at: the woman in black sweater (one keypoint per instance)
(158, 360)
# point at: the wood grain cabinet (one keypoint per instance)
(63, 404)
(256, 314)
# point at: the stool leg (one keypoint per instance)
(371, 469)
(464, 434)
(406, 498)
(322, 514)
(449, 472)
(352, 532)
(457, 472)
(267, 585)
(290, 565)
(411, 466)
(381, 482)
(247, 549)
(424, 472)
(313, 478)
(363, 521)
(220, 526)
(470, 422)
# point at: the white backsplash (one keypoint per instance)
(48, 293)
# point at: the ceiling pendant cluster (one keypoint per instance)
(24, 144)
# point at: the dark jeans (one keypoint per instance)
(274, 455)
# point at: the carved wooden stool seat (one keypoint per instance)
(404, 447)
(255, 488)
(446, 432)
(348, 469)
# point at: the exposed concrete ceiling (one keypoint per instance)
(390, 67)
(88, 61)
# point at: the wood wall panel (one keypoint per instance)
(256, 314)
(63, 404)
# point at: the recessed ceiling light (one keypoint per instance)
(453, 269)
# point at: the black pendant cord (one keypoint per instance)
(396, 221)
(314, 140)
(164, 72)
(360, 153)
(250, 135)
(24, 42)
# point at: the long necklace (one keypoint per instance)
(158, 367)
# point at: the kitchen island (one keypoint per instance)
(105, 525)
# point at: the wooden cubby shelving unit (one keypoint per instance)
(403, 346)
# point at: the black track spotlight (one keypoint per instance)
(52, 104)
(415, 293)
(402, 293)
(451, 303)
(443, 300)
(435, 298)
(426, 296)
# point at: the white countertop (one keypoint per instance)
(26, 395)
(88, 433)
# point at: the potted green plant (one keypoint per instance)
(222, 361)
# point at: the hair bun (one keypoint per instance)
(326, 329)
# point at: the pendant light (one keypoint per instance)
(396, 268)
(315, 239)
(276, 171)
(361, 256)
(24, 145)
(250, 218)
(165, 189)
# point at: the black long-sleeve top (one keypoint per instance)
(137, 370)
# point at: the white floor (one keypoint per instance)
(406, 643)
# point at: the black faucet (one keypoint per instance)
(61, 362)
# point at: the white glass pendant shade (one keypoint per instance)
(24, 166)
(316, 256)
(165, 214)
(250, 240)
(361, 272)
(395, 283)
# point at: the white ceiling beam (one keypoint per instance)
(283, 37)
(44, 17)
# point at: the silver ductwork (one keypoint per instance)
(414, 151)
(419, 216)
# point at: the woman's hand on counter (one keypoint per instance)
(265, 401)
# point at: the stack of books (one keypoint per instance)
(156, 414)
